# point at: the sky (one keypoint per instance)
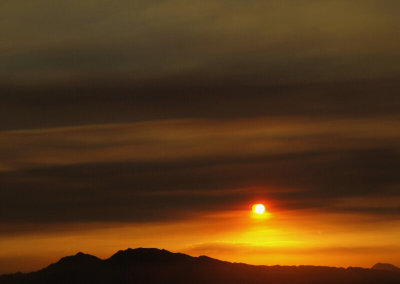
(160, 123)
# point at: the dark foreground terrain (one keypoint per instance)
(161, 266)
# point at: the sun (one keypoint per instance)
(259, 209)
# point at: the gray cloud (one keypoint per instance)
(295, 41)
(101, 62)
(124, 191)
(90, 62)
(42, 107)
(184, 167)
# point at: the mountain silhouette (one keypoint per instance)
(150, 265)
(386, 267)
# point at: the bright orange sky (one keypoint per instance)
(270, 242)
(284, 237)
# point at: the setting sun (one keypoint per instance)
(258, 209)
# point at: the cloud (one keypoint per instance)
(266, 41)
(183, 98)
(187, 167)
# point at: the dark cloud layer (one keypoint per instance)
(328, 69)
(163, 191)
(42, 107)
(295, 41)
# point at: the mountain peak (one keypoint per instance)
(139, 251)
(77, 260)
(386, 267)
(80, 254)
(140, 255)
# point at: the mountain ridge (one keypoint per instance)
(386, 267)
(151, 265)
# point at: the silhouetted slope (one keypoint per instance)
(75, 262)
(386, 267)
(147, 256)
(161, 266)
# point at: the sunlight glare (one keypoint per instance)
(259, 209)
